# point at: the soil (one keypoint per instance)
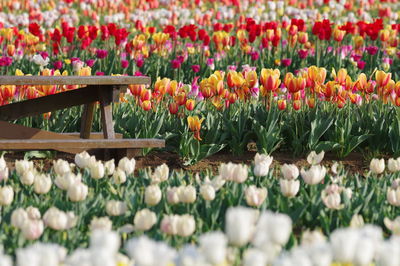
(353, 163)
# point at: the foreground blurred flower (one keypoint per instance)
(152, 195)
(314, 175)
(255, 196)
(42, 184)
(313, 158)
(377, 166)
(254, 257)
(116, 208)
(6, 195)
(262, 162)
(127, 165)
(144, 220)
(394, 165)
(100, 223)
(146, 252)
(240, 225)
(213, 246)
(289, 187)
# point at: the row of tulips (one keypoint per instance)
(64, 205)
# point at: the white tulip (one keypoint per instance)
(240, 173)
(128, 166)
(262, 162)
(357, 221)
(393, 226)
(21, 166)
(4, 173)
(226, 171)
(68, 179)
(83, 159)
(311, 238)
(77, 192)
(394, 165)
(102, 223)
(313, 158)
(110, 167)
(6, 195)
(255, 196)
(55, 219)
(61, 167)
(240, 224)
(186, 225)
(32, 229)
(207, 192)
(289, 171)
(393, 196)
(289, 187)
(213, 246)
(377, 166)
(116, 208)
(173, 195)
(258, 158)
(28, 177)
(33, 213)
(40, 61)
(187, 194)
(3, 163)
(254, 257)
(272, 228)
(314, 175)
(144, 220)
(18, 217)
(160, 174)
(169, 224)
(72, 219)
(97, 170)
(119, 176)
(152, 195)
(344, 243)
(42, 184)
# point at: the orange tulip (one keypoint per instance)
(338, 35)
(296, 105)
(270, 79)
(194, 123)
(173, 108)
(382, 78)
(281, 104)
(190, 104)
(317, 74)
(146, 105)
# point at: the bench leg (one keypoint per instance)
(87, 120)
(106, 99)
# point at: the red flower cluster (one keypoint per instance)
(323, 29)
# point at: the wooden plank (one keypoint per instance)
(106, 98)
(52, 144)
(74, 80)
(87, 120)
(93, 135)
(49, 103)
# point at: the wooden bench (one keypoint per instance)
(93, 89)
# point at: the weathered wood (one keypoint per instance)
(53, 144)
(49, 103)
(74, 80)
(87, 120)
(93, 135)
(106, 98)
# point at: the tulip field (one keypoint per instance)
(317, 81)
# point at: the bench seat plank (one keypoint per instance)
(74, 80)
(53, 144)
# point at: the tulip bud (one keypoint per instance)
(65, 181)
(187, 194)
(394, 165)
(2, 163)
(55, 219)
(27, 178)
(281, 104)
(97, 170)
(116, 208)
(160, 174)
(77, 192)
(152, 195)
(126, 165)
(313, 158)
(289, 171)
(144, 220)
(146, 105)
(240, 173)
(173, 108)
(21, 166)
(42, 184)
(169, 224)
(186, 225)
(207, 192)
(190, 104)
(289, 187)
(377, 166)
(4, 173)
(33, 213)
(314, 175)
(119, 176)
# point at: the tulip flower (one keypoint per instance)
(377, 166)
(194, 123)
